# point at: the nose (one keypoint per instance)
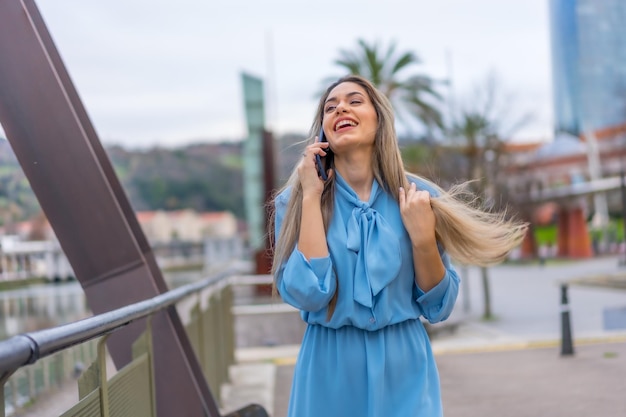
(341, 108)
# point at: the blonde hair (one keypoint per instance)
(469, 234)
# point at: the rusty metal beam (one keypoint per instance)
(74, 181)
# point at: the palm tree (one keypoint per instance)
(413, 96)
(477, 138)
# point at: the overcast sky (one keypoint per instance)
(168, 72)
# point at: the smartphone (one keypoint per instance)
(323, 166)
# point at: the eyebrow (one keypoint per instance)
(353, 93)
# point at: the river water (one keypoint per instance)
(47, 305)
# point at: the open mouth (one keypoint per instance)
(344, 123)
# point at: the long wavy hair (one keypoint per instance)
(468, 233)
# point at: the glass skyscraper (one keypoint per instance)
(588, 64)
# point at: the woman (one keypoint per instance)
(364, 255)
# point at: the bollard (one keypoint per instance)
(567, 348)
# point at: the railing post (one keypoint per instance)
(149, 348)
(567, 347)
(229, 326)
(104, 386)
(221, 348)
(212, 365)
(201, 334)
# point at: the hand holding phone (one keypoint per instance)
(322, 167)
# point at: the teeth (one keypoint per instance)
(343, 123)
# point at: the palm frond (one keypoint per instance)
(373, 64)
(391, 50)
(403, 62)
(353, 67)
(412, 96)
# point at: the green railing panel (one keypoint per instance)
(211, 328)
(89, 380)
(129, 390)
(228, 326)
(142, 348)
(26, 383)
(128, 393)
(222, 363)
(193, 329)
(87, 407)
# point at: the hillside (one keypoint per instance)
(204, 177)
(17, 200)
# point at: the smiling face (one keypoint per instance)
(349, 117)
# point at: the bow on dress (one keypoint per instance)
(376, 244)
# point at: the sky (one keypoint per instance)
(168, 73)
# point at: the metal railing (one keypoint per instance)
(207, 314)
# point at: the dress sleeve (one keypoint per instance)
(308, 285)
(437, 304)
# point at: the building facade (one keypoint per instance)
(186, 225)
(588, 40)
(562, 167)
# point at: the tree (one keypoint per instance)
(480, 132)
(413, 96)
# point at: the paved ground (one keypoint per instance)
(536, 382)
(522, 383)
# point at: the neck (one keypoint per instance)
(358, 173)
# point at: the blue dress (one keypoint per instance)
(373, 357)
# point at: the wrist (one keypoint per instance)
(311, 198)
(425, 245)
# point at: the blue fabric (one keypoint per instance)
(373, 357)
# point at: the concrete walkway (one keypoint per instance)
(491, 380)
(535, 382)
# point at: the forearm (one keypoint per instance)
(312, 237)
(429, 268)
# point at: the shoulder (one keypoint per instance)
(424, 184)
(282, 198)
